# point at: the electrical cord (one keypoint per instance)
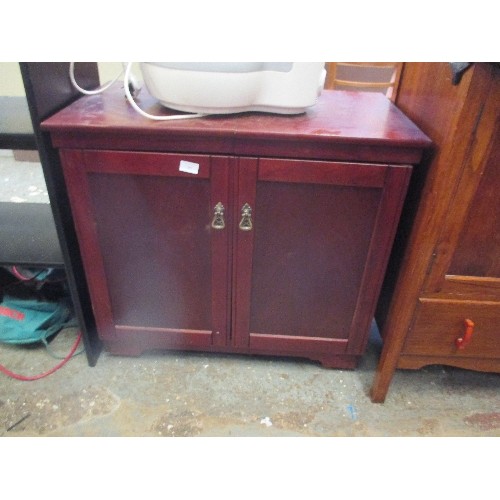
(21, 277)
(90, 92)
(26, 378)
(126, 81)
(18, 273)
(23, 280)
(69, 324)
(128, 84)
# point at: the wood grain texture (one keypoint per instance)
(438, 323)
(477, 252)
(414, 362)
(463, 123)
(342, 125)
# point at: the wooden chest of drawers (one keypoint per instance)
(443, 283)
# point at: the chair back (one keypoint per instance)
(366, 76)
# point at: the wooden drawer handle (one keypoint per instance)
(461, 342)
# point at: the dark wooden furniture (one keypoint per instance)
(49, 89)
(441, 299)
(274, 241)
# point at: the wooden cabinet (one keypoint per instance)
(444, 307)
(255, 234)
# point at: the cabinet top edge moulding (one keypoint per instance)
(343, 126)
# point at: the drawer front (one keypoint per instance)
(440, 323)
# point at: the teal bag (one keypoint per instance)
(25, 321)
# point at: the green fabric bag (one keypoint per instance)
(25, 321)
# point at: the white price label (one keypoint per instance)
(189, 167)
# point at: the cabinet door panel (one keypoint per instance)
(303, 263)
(478, 247)
(469, 240)
(158, 277)
(163, 266)
(310, 246)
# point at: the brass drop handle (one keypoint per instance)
(218, 220)
(461, 342)
(246, 218)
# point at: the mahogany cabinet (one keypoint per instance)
(444, 305)
(253, 233)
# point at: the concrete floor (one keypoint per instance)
(165, 394)
(21, 181)
(196, 394)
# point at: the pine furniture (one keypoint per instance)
(441, 298)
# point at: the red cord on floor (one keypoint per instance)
(42, 375)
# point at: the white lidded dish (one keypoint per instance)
(235, 87)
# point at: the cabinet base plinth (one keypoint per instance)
(345, 362)
(137, 348)
(410, 362)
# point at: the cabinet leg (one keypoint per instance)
(380, 386)
(383, 374)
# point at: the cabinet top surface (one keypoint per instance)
(338, 117)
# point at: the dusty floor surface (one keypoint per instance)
(198, 394)
(21, 181)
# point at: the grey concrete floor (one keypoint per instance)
(21, 181)
(162, 394)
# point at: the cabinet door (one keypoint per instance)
(308, 267)
(466, 258)
(157, 269)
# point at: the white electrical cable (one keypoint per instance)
(126, 81)
(89, 92)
